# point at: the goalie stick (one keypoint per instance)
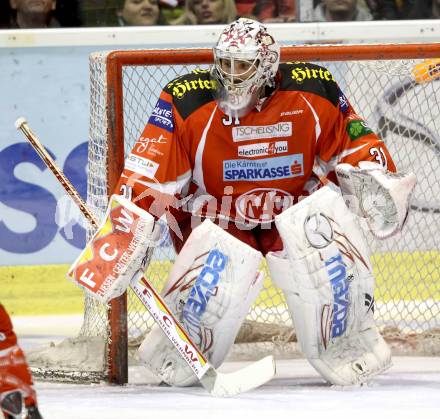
(217, 383)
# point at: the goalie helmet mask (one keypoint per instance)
(246, 59)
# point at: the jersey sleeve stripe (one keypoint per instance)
(315, 115)
(170, 188)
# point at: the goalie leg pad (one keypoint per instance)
(211, 287)
(119, 248)
(329, 289)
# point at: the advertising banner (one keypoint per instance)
(49, 87)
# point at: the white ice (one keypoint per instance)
(410, 389)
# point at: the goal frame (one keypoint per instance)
(116, 60)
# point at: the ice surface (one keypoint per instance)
(410, 389)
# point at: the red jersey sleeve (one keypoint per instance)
(347, 138)
(158, 167)
(6, 331)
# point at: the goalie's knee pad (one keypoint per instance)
(328, 282)
(212, 285)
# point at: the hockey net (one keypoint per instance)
(398, 96)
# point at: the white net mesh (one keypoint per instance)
(407, 267)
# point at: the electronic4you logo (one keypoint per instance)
(263, 149)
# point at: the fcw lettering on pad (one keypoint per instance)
(112, 250)
(262, 149)
(281, 129)
(107, 256)
(125, 221)
(87, 278)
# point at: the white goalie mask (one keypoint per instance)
(246, 59)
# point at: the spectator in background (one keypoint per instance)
(207, 12)
(391, 9)
(172, 9)
(5, 12)
(274, 11)
(382, 9)
(33, 14)
(404, 9)
(67, 13)
(245, 8)
(424, 9)
(139, 13)
(99, 12)
(340, 11)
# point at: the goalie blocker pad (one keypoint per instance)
(118, 249)
(213, 283)
(327, 279)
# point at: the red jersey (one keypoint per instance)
(248, 169)
(14, 371)
(7, 335)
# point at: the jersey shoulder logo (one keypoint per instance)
(357, 128)
(191, 91)
(308, 77)
(162, 115)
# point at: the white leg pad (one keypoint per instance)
(213, 283)
(327, 279)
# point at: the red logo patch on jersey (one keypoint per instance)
(263, 204)
(296, 168)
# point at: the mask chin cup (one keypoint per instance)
(237, 103)
(237, 111)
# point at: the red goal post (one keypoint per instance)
(387, 87)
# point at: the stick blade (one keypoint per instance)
(245, 379)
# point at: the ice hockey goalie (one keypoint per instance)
(241, 161)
